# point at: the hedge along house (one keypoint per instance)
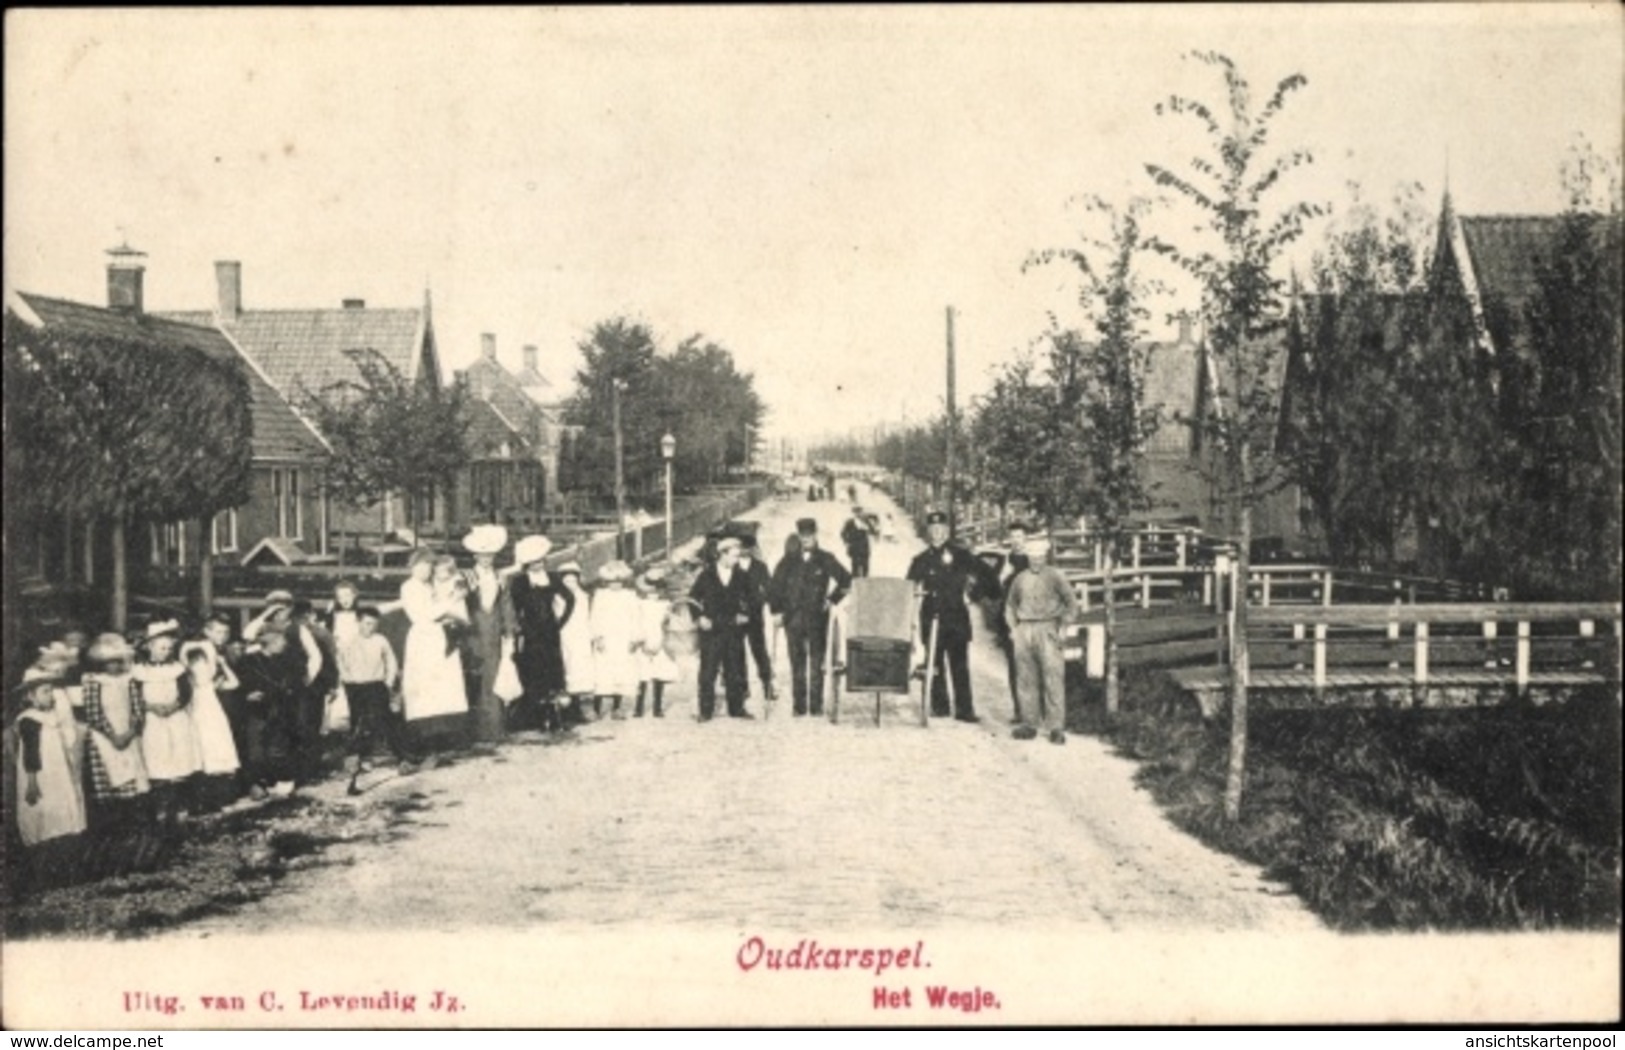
(304, 351)
(131, 444)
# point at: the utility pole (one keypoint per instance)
(953, 426)
(620, 470)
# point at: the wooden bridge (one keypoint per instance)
(1318, 634)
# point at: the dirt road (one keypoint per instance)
(777, 821)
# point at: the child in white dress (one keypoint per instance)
(162, 688)
(217, 748)
(51, 809)
(658, 665)
(617, 639)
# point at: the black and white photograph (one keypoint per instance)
(897, 516)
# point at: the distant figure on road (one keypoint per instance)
(943, 573)
(855, 534)
(722, 594)
(807, 583)
(1039, 602)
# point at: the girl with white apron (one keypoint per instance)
(51, 803)
(217, 749)
(575, 639)
(658, 665)
(617, 635)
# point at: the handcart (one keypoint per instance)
(878, 643)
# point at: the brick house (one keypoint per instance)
(526, 400)
(303, 350)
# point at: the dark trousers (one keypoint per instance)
(952, 663)
(1008, 645)
(756, 635)
(307, 744)
(371, 719)
(722, 650)
(807, 640)
(270, 734)
(860, 562)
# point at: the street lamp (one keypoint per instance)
(615, 388)
(668, 449)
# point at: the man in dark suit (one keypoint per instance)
(761, 581)
(806, 585)
(943, 573)
(722, 594)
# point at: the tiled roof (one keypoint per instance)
(308, 347)
(279, 432)
(490, 380)
(1506, 250)
(488, 429)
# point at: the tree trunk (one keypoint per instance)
(1236, 776)
(1113, 695)
(205, 567)
(118, 611)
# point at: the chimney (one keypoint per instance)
(1185, 319)
(126, 275)
(488, 346)
(530, 359)
(228, 284)
(355, 304)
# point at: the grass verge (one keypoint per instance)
(1480, 818)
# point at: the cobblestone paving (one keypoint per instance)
(786, 821)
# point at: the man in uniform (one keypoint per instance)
(942, 574)
(722, 594)
(807, 583)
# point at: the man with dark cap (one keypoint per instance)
(806, 585)
(722, 595)
(942, 574)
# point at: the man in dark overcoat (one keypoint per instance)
(807, 583)
(722, 595)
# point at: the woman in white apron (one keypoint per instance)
(118, 773)
(617, 635)
(575, 640)
(210, 676)
(162, 688)
(51, 806)
(434, 695)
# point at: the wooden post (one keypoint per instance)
(1326, 589)
(1297, 646)
(1135, 550)
(1588, 631)
(1184, 541)
(1422, 655)
(89, 566)
(1145, 590)
(1320, 657)
(1208, 597)
(1264, 589)
(1491, 627)
(118, 613)
(1521, 669)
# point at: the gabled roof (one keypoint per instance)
(489, 430)
(280, 433)
(1506, 251)
(308, 347)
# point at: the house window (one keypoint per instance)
(168, 545)
(290, 518)
(224, 532)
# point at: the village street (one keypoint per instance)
(779, 821)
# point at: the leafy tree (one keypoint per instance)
(1350, 423)
(1239, 242)
(121, 428)
(1100, 387)
(1567, 469)
(388, 433)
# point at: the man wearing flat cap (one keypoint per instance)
(942, 575)
(722, 595)
(806, 584)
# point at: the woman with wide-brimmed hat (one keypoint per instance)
(52, 804)
(490, 610)
(542, 609)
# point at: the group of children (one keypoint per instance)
(113, 742)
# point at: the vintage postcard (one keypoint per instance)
(756, 517)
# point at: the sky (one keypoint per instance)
(809, 187)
